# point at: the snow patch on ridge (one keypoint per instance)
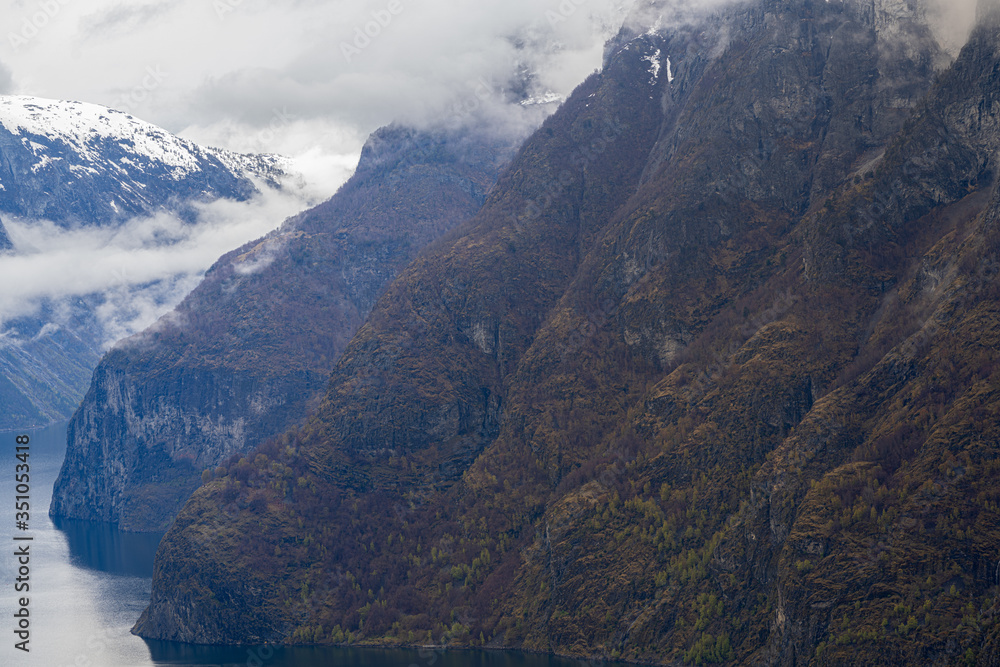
(548, 98)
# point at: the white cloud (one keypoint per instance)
(952, 22)
(137, 271)
(230, 66)
(6, 80)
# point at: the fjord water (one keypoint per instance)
(89, 583)
(84, 599)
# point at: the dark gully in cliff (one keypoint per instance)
(710, 377)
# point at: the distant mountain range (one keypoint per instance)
(86, 166)
(75, 163)
(44, 368)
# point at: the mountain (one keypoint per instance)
(44, 367)
(711, 378)
(251, 349)
(5, 242)
(84, 164)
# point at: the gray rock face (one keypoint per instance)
(807, 94)
(153, 445)
(949, 153)
(244, 357)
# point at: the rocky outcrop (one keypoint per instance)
(250, 351)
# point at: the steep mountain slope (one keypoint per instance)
(75, 163)
(44, 369)
(246, 354)
(711, 378)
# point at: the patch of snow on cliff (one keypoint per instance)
(654, 66)
(548, 98)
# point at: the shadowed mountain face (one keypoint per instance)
(44, 368)
(246, 355)
(711, 378)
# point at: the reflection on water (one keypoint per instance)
(89, 584)
(80, 615)
(165, 653)
(102, 547)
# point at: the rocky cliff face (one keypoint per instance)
(710, 379)
(248, 353)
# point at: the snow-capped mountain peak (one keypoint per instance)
(56, 155)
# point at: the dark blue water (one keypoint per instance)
(89, 583)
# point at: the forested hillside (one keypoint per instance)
(711, 378)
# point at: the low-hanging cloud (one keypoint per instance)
(6, 80)
(663, 14)
(406, 60)
(336, 70)
(134, 273)
(952, 22)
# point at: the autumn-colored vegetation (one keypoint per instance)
(696, 412)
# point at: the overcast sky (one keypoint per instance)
(303, 77)
(298, 77)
